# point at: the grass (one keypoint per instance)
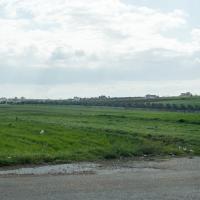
(193, 101)
(75, 133)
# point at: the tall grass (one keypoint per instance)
(75, 133)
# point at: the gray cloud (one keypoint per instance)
(149, 65)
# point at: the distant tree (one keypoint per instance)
(174, 107)
(182, 107)
(168, 106)
(190, 107)
(160, 106)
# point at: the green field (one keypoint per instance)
(193, 101)
(75, 133)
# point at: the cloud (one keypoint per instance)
(127, 88)
(151, 65)
(100, 26)
(47, 42)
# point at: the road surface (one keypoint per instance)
(173, 179)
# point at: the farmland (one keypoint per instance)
(37, 134)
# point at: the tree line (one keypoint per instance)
(128, 102)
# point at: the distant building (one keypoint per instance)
(3, 100)
(76, 99)
(150, 96)
(102, 97)
(186, 94)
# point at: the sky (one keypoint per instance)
(65, 48)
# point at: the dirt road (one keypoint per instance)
(173, 179)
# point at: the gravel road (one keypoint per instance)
(172, 179)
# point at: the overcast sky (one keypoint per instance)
(66, 48)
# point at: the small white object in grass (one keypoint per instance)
(42, 132)
(184, 149)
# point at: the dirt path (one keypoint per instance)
(173, 179)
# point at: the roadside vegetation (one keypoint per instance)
(36, 134)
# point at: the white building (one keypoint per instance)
(186, 94)
(150, 96)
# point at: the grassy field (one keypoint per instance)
(33, 134)
(193, 101)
